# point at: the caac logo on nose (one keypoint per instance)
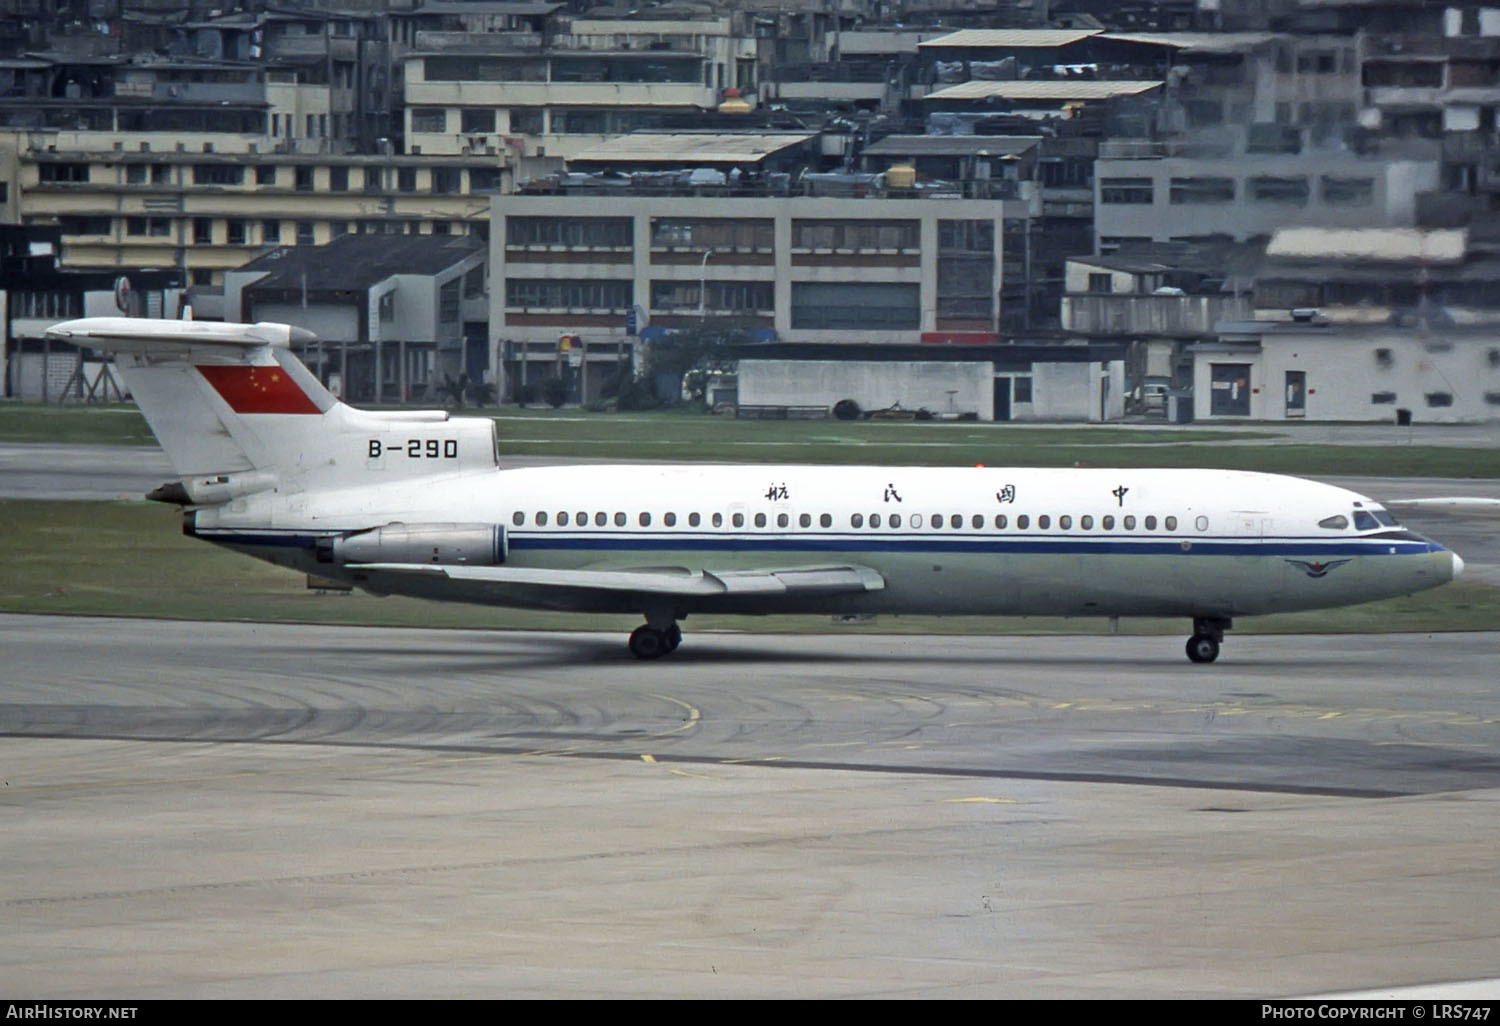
(1315, 569)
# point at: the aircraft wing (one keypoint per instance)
(614, 589)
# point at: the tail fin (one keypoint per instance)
(237, 412)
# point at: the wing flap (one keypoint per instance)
(563, 588)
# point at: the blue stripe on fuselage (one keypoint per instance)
(659, 541)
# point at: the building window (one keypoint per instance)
(236, 231)
(338, 179)
(203, 231)
(1021, 389)
(84, 225)
(722, 296)
(1287, 191)
(135, 174)
(218, 174)
(477, 119)
(569, 293)
(429, 119)
(1202, 190)
(1347, 192)
(1383, 397)
(406, 179)
(718, 234)
(305, 235)
(270, 232)
(484, 179)
(1101, 283)
(526, 121)
(337, 228)
(867, 306)
(860, 235)
(1439, 398)
(63, 172)
(305, 179)
(265, 174)
(445, 179)
(1126, 190)
(202, 276)
(581, 232)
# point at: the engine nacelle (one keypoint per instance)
(472, 544)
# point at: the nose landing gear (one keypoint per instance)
(1208, 634)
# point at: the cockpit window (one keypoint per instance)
(1363, 521)
(1386, 520)
(1334, 523)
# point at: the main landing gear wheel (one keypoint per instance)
(1202, 648)
(646, 642)
(1208, 633)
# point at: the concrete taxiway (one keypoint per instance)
(237, 810)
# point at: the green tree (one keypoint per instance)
(692, 355)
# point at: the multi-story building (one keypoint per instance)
(206, 212)
(881, 267)
(396, 319)
(570, 88)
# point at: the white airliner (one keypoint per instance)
(415, 503)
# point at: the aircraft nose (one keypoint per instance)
(1458, 565)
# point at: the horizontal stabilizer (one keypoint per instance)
(152, 337)
(1457, 505)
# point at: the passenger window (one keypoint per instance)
(718, 520)
(1086, 522)
(1022, 522)
(620, 519)
(738, 520)
(874, 519)
(826, 520)
(782, 520)
(1128, 523)
(1150, 523)
(1201, 523)
(977, 521)
(936, 520)
(644, 519)
(1364, 521)
(541, 520)
(694, 520)
(916, 520)
(669, 519)
(562, 520)
(760, 520)
(1043, 522)
(1000, 521)
(955, 521)
(582, 520)
(518, 518)
(805, 520)
(1108, 523)
(600, 519)
(1170, 523)
(1064, 522)
(857, 520)
(895, 520)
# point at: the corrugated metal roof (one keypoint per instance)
(1018, 38)
(1060, 90)
(951, 145)
(692, 147)
(1434, 245)
(1203, 42)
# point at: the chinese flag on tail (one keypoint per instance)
(257, 389)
